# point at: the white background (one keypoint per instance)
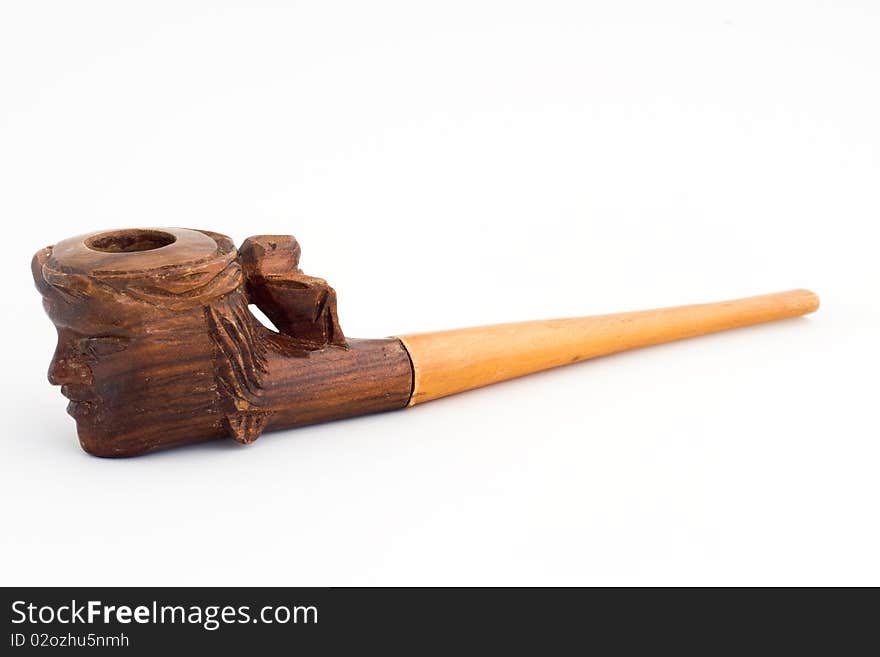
(457, 163)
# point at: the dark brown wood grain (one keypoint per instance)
(157, 346)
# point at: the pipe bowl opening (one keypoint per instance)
(130, 240)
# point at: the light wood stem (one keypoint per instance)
(447, 362)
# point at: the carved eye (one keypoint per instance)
(102, 345)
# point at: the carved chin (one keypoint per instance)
(93, 434)
(91, 438)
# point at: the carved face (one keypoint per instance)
(85, 344)
(130, 374)
(135, 355)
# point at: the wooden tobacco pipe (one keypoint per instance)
(157, 347)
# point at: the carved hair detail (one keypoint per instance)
(240, 348)
(239, 366)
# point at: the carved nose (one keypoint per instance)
(65, 367)
(63, 371)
